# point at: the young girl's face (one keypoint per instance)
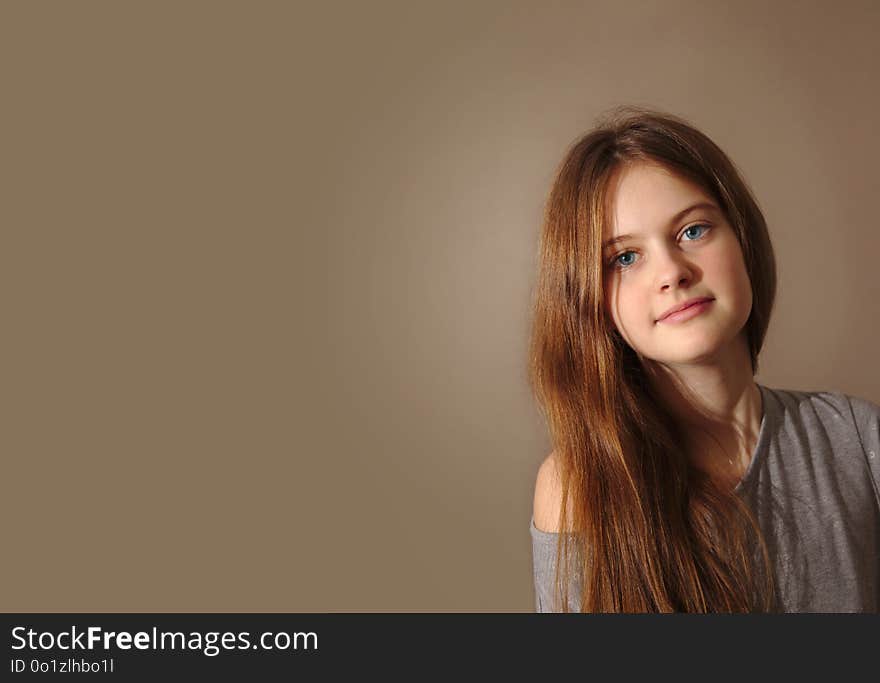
(668, 259)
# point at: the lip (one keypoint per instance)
(686, 310)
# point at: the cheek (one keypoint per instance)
(727, 277)
(733, 276)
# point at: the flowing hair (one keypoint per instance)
(644, 530)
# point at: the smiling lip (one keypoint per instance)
(677, 313)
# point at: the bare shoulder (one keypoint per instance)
(548, 495)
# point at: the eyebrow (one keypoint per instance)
(677, 217)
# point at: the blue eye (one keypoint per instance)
(696, 227)
(621, 262)
(617, 259)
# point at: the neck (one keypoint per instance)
(718, 406)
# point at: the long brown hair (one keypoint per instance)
(644, 531)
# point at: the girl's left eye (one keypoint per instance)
(698, 226)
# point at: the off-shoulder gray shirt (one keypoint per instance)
(813, 484)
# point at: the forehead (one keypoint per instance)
(644, 196)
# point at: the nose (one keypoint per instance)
(672, 269)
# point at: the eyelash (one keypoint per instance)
(613, 263)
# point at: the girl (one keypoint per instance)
(676, 482)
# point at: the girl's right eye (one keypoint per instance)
(617, 263)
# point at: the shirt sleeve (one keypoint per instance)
(544, 572)
(867, 419)
(543, 566)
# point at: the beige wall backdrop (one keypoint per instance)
(266, 272)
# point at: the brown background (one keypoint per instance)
(266, 273)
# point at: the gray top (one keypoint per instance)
(814, 485)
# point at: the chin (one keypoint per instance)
(690, 351)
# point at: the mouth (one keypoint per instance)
(687, 310)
